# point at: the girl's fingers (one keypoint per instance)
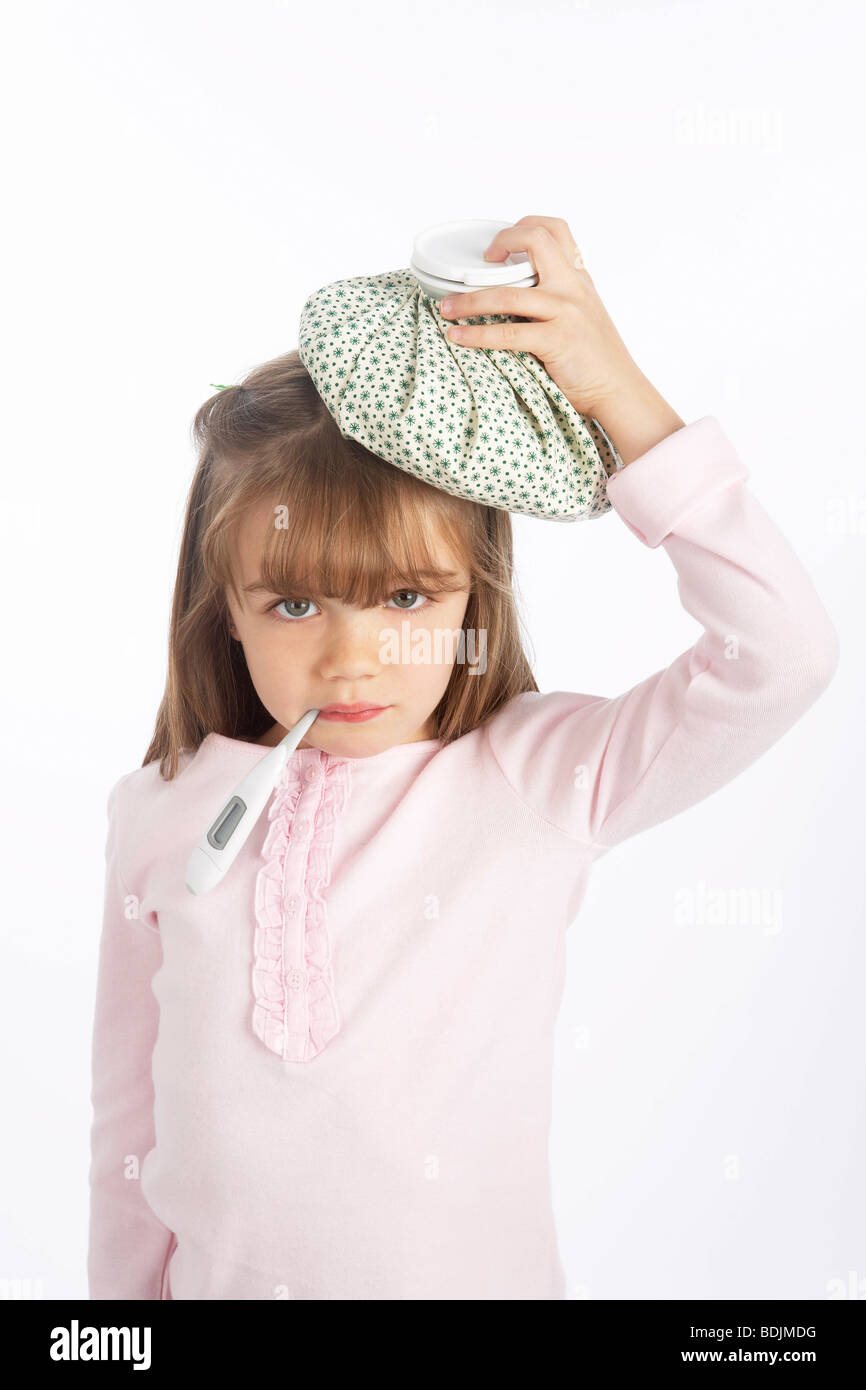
(546, 240)
(513, 337)
(525, 303)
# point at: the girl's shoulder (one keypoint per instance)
(518, 726)
(544, 744)
(149, 809)
(150, 815)
(143, 784)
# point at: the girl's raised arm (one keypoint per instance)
(602, 769)
(128, 1247)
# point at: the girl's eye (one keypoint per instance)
(293, 604)
(415, 594)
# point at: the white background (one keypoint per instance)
(178, 178)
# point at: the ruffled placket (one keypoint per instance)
(296, 1012)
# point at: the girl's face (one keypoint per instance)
(307, 654)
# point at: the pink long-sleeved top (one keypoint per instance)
(330, 1077)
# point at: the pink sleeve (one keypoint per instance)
(602, 769)
(128, 1246)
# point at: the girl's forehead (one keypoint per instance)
(254, 530)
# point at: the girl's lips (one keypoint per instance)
(352, 716)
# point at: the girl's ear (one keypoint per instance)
(228, 617)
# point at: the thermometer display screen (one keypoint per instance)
(226, 823)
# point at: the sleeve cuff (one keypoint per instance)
(656, 490)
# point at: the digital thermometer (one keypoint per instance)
(218, 847)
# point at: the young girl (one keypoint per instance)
(330, 1077)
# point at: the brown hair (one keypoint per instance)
(357, 525)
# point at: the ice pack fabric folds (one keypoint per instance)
(487, 424)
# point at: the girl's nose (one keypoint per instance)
(352, 653)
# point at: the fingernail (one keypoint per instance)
(445, 306)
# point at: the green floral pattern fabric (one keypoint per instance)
(488, 424)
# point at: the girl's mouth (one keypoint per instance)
(352, 714)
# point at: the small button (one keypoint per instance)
(295, 978)
(292, 904)
(301, 827)
(311, 773)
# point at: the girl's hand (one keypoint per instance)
(572, 332)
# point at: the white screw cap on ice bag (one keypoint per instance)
(450, 258)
